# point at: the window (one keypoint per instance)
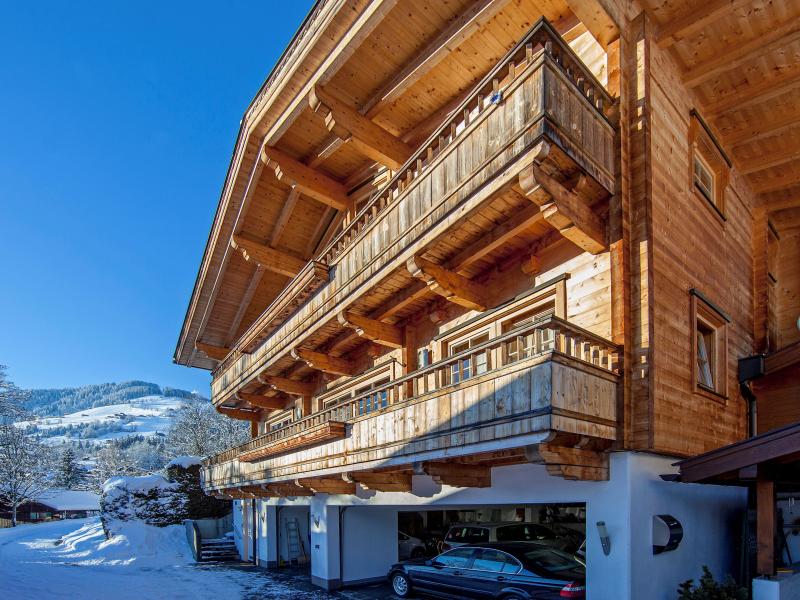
(495, 561)
(710, 346)
(529, 343)
(709, 168)
(524, 532)
(281, 421)
(467, 535)
(460, 558)
(369, 402)
(471, 364)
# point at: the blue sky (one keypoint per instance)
(117, 122)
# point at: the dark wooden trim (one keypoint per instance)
(712, 305)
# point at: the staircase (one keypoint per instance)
(218, 550)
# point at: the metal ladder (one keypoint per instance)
(293, 542)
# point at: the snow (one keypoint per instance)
(72, 559)
(142, 483)
(70, 500)
(146, 416)
(185, 462)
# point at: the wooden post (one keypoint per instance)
(765, 526)
(306, 403)
(409, 358)
(253, 429)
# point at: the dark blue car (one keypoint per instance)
(507, 570)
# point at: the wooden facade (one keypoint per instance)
(502, 231)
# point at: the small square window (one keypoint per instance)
(704, 178)
(710, 347)
(709, 168)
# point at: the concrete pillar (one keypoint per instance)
(325, 546)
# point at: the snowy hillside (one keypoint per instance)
(146, 416)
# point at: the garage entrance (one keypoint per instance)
(426, 533)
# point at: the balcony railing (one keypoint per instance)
(549, 335)
(539, 91)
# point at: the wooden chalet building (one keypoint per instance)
(502, 253)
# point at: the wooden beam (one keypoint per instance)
(751, 93)
(308, 181)
(239, 413)
(381, 482)
(768, 161)
(211, 351)
(775, 183)
(495, 238)
(372, 329)
(574, 463)
(598, 21)
(283, 218)
(566, 211)
(325, 363)
(788, 197)
(741, 52)
(458, 475)
(765, 526)
(254, 429)
(268, 258)
(754, 131)
(348, 124)
(289, 386)
(442, 45)
(261, 401)
(287, 488)
(450, 285)
(328, 485)
(693, 19)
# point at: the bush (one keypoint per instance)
(709, 589)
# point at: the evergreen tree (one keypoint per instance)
(69, 475)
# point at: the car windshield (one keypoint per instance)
(549, 562)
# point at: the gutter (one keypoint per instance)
(750, 368)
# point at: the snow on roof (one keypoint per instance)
(143, 483)
(70, 500)
(185, 461)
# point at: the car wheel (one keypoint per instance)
(513, 597)
(401, 586)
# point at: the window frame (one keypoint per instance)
(706, 315)
(704, 149)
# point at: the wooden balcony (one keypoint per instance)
(540, 99)
(529, 385)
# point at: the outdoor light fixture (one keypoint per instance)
(605, 541)
(667, 533)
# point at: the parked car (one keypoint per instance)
(507, 570)
(479, 533)
(409, 546)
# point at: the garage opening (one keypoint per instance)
(426, 533)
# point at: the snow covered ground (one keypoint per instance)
(145, 416)
(73, 560)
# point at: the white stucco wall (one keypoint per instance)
(627, 504)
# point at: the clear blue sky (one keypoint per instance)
(117, 122)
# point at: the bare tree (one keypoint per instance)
(25, 468)
(11, 399)
(111, 461)
(199, 430)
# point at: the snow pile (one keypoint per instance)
(185, 462)
(151, 499)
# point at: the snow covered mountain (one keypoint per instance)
(98, 413)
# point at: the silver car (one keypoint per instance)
(409, 546)
(479, 533)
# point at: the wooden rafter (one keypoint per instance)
(788, 197)
(267, 257)
(459, 475)
(324, 362)
(739, 53)
(574, 463)
(743, 96)
(377, 331)
(288, 386)
(328, 485)
(346, 123)
(211, 351)
(596, 19)
(261, 401)
(390, 481)
(240, 414)
(308, 181)
(283, 218)
(695, 18)
(760, 130)
(452, 286)
(776, 183)
(768, 161)
(564, 209)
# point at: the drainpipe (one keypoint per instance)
(255, 533)
(750, 368)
